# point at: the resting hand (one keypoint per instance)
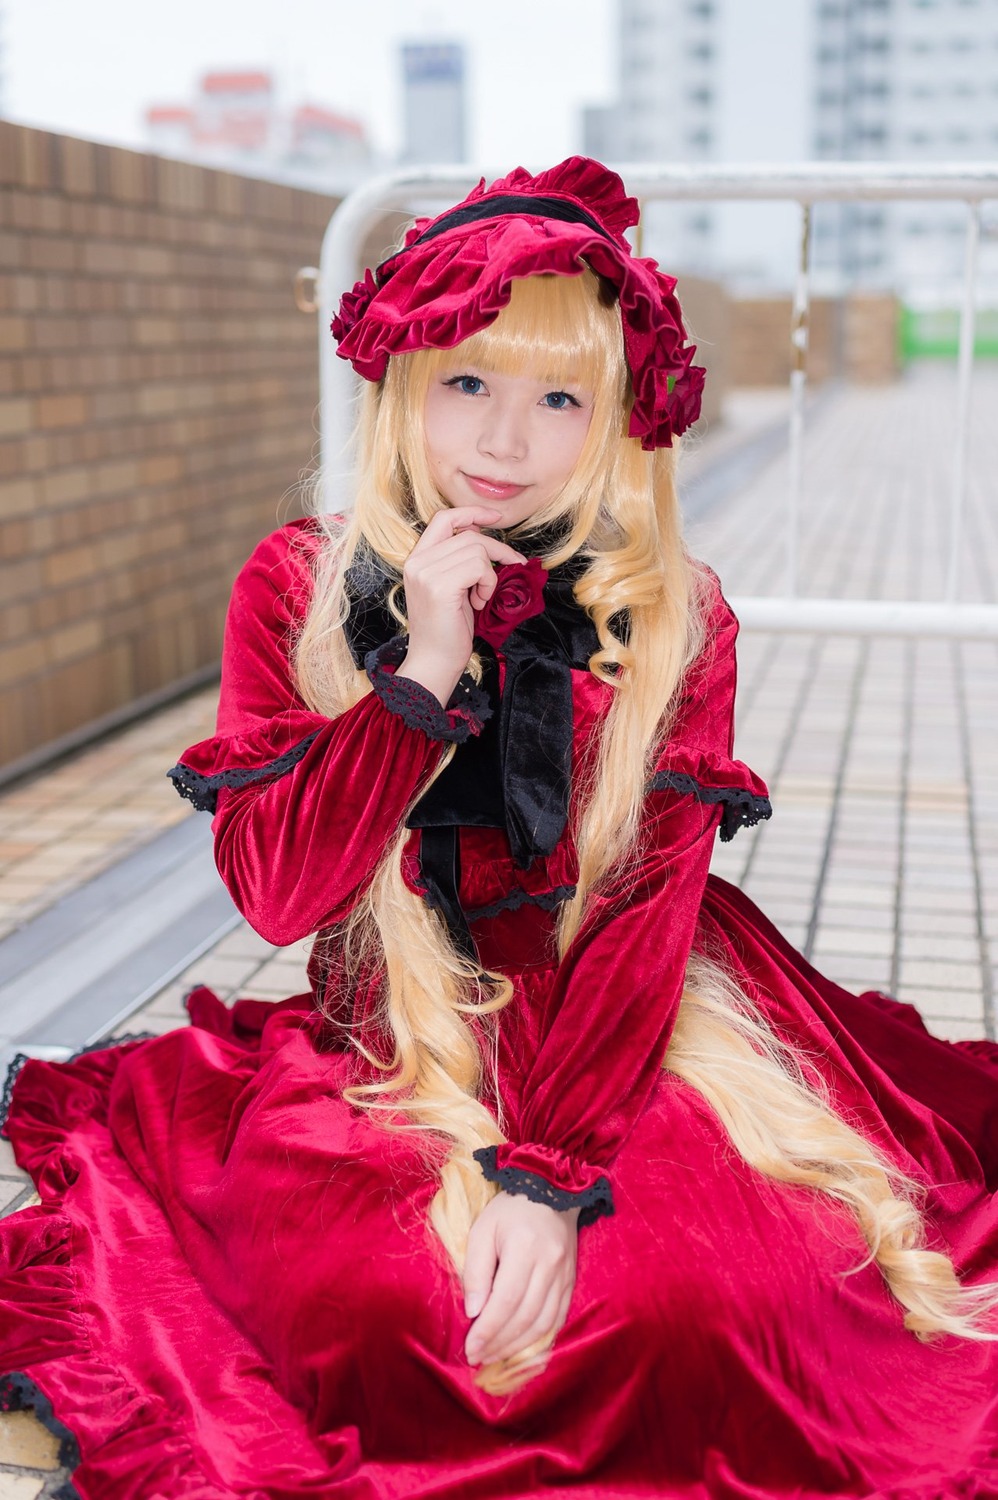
(519, 1274)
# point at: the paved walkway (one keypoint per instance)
(881, 862)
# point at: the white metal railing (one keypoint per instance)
(805, 184)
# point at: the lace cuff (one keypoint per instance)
(464, 715)
(740, 807)
(595, 1201)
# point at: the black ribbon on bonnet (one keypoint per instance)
(517, 773)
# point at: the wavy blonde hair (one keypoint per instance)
(437, 1009)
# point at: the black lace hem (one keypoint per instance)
(517, 898)
(595, 1202)
(467, 711)
(19, 1059)
(13, 1070)
(203, 790)
(18, 1393)
(741, 809)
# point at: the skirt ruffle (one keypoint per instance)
(227, 1289)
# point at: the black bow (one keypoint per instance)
(517, 773)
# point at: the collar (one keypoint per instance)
(517, 773)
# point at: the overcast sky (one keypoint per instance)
(90, 67)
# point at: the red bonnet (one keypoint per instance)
(453, 276)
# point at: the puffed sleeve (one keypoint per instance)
(305, 804)
(617, 990)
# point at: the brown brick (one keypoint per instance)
(61, 411)
(74, 641)
(35, 152)
(77, 166)
(155, 331)
(121, 548)
(12, 250)
(20, 580)
(15, 416)
(18, 497)
(48, 252)
(20, 659)
(131, 177)
(71, 564)
(161, 468)
(15, 333)
(66, 486)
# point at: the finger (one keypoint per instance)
(501, 551)
(464, 541)
(539, 1327)
(514, 1303)
(454, 518)
(478, 552)
(481, 1258)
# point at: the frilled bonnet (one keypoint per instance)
(453, 276)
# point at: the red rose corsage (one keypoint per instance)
(517, 596)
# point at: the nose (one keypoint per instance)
(503, 434)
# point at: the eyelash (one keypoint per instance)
(458, 380)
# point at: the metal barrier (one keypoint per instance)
(805, 184)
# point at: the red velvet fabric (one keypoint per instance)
(439, 290)
(229, 1288)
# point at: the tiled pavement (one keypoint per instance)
(881, 862)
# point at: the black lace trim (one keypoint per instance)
(20, 1058)
(18, 1393)
(464, 715)
(14, 1067)
(203, 790)
(742, 809)
(596, 1202)
(517, 898)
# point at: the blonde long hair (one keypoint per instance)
(437, 1009)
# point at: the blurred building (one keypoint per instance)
(902, 80)
(434, 108)
(239, 122)
(666, 111)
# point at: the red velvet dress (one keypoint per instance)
(228, 1288)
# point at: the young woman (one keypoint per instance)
(569, 1173)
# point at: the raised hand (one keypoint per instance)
(447, 576)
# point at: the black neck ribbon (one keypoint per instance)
(516, 774)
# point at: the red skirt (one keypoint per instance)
(229, 1288)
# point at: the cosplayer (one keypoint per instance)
(569, 1173)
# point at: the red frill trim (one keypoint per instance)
(437, 294)
(68, 1353)
(556, 1167)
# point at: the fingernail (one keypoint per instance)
(473, 1351)
(473, 1304)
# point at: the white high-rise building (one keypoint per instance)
(903, 80)
(666, 111)
(434, 102)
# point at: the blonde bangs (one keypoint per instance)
(555, 329)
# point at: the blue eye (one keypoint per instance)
(469, 385)
(559, 400)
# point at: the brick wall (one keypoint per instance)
(157, 398)
(856, 338)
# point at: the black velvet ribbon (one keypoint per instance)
(516, 774)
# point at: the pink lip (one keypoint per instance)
(490, 489)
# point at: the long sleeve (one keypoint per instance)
(617, 990)
(304, 805)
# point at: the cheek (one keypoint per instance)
(571, 441)
(444, 431)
